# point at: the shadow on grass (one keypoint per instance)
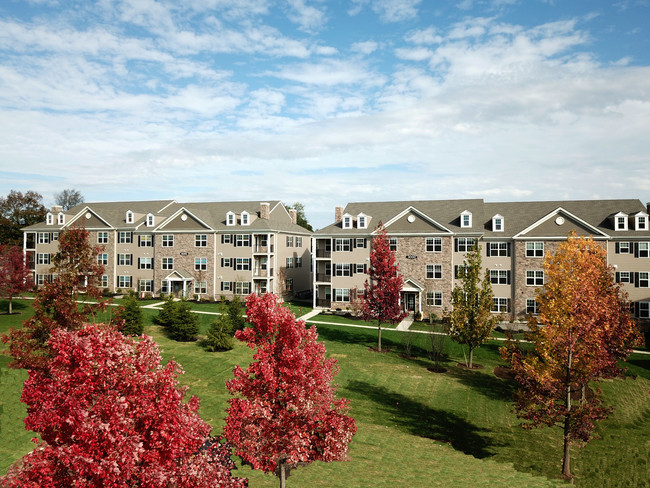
(484, 382)
(17, 305)
(421, 420)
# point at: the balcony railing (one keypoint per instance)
(323, 302)
(323, 253)
(323, 278)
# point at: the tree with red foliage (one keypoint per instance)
(582, 331)
(15, 275)
(286, 413)
(380, 301)
(56, 305)
(109, 414)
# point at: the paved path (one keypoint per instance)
(406, 323)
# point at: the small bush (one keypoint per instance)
(236, 314)
(131, 314)
(165, 316)
(185, 324)
(219, 336)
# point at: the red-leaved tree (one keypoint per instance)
(77, 274)
(15, 275)
(380, 301)
(110, 415)
(285, 413)
(582, 331)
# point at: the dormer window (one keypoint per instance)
(497, 223)
(362, 221)
(347, 221)
(61, 218)
(641, 221)
(129, 217)
(49, 219)
(230, 218)
(245, 218)
(466, 219)
(620, 221)
(150, 220)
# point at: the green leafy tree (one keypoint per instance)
(301, 219)
(471, 320)
(165, 316)
(18, 210)
(236, 314)
(185, 324)
(130, 316)
(581, 333)
(220, 335)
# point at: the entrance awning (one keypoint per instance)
(412, 286)
(179, 275)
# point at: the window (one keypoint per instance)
(102, 237)
(434, 244)
(644, 310)
(641, 222)
(434, 298)
(497, 223)
(145, 263)
(362, 221)
(289, 241)
(226, 262)
(342, 244)
(498, 249)
(103, 282)
(531, 306)
(643, 249)
(55, 236)
(393, 243)
(624, 277)
(500, 305)
(129, 217)
(623, 247)
(464, 244)
(243, 264)
(243, 240)
(230, 218)
(168, 240)
(145, 286)
(201, 240)
(167, 263)
(125, 237)
(342, 269)
(460, 270)
(124, 281)
(124, 259)
(434, 271)
(226, 238)
(226, 286)
(360, 242)
(102, 259)
(61, 219)
(164, 287)
(242, 288)
(500, 276)
(43, 237)
(298, 262)
(200, 287)
(534, 278)
(150, 220)
(466, 219)
(200, 264)
(643, 279)
(341, 294)
(620, 221)
(245, 218)
(360, 268)
(145, 241)
(288, 284)
(298, 241)
(534, 249)
(347, 221)
(49, 219)
(289, 262)
(43, 258)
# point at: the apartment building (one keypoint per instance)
(206, 249)
(431, 239)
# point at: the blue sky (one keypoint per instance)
(325, 102)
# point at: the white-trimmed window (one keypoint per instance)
(644, 310)
(49, 219)
(289, 241)
(500, 305)
(102, 259)
(61, 218)
(230, 218)
(55, 236)
(362, 221)
(342, 269)
(145, 286)
(466, 219)
(200, 287)
(200, 264)
(534, 278)
(125, 237)
(434, 271)
(643, 279)
(167, 263)
(242, 240)
(288, 284)
(150, 221)
(360, 242)
(643, 249)
(145, 240)
(242, 287)
(226, 238)
(531, 306)
(245, 218)
(124, 281)
(464, 244)
(102, 237)
(534, 249)
(226, 262)
(200, 240)
(620, 221)
(226, 286)
(341, 294)
(129, 217)
(497, 223)
(393, 243)
(342, 244)
(500, 276)
(43, 258)
(43, 237)
(434, 244)
(145, 263)
(103, 281)
(623, 277)
(164, 287)
(124, 259)
(168, 240)
(360, 268)
(434, 298)
(501, 249)
(243, 264)
(641, 221)
(347, 221)
(298, 241)
(623, 247)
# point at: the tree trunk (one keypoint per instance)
(283, 475)
(471, 355)
(10, 308)
(379, 336)
(566, 460)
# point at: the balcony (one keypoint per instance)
(324, 253)
(260, 273)
(323, 302)
(323, 278)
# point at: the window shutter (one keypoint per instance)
(636, 309)
(508, 301)
(365, 243)
(618, 277)
(333, 294)
(222, 282)
(507, 277)
(487, 249)
(250, 240)
(636, 280)
(456, 245)
(636, 249)
(365, 268)
(618, 248)
(508, 249)
(354, 244)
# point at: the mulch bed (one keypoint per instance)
(504, 372)
(437, 369)
(374, 349)
(474, 366)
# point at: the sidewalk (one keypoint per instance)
(406, 323)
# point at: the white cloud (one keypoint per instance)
(307, 17)
(328, 72)
(364, 47)
(388, 10)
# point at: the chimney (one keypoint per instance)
(56, 209)
(647, 208)
(265, 210)
(338, 214)
(294, 215)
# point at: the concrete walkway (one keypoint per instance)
(406, 323)
(309, 315)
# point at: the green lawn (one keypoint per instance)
(339, 319)
(415, 428)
